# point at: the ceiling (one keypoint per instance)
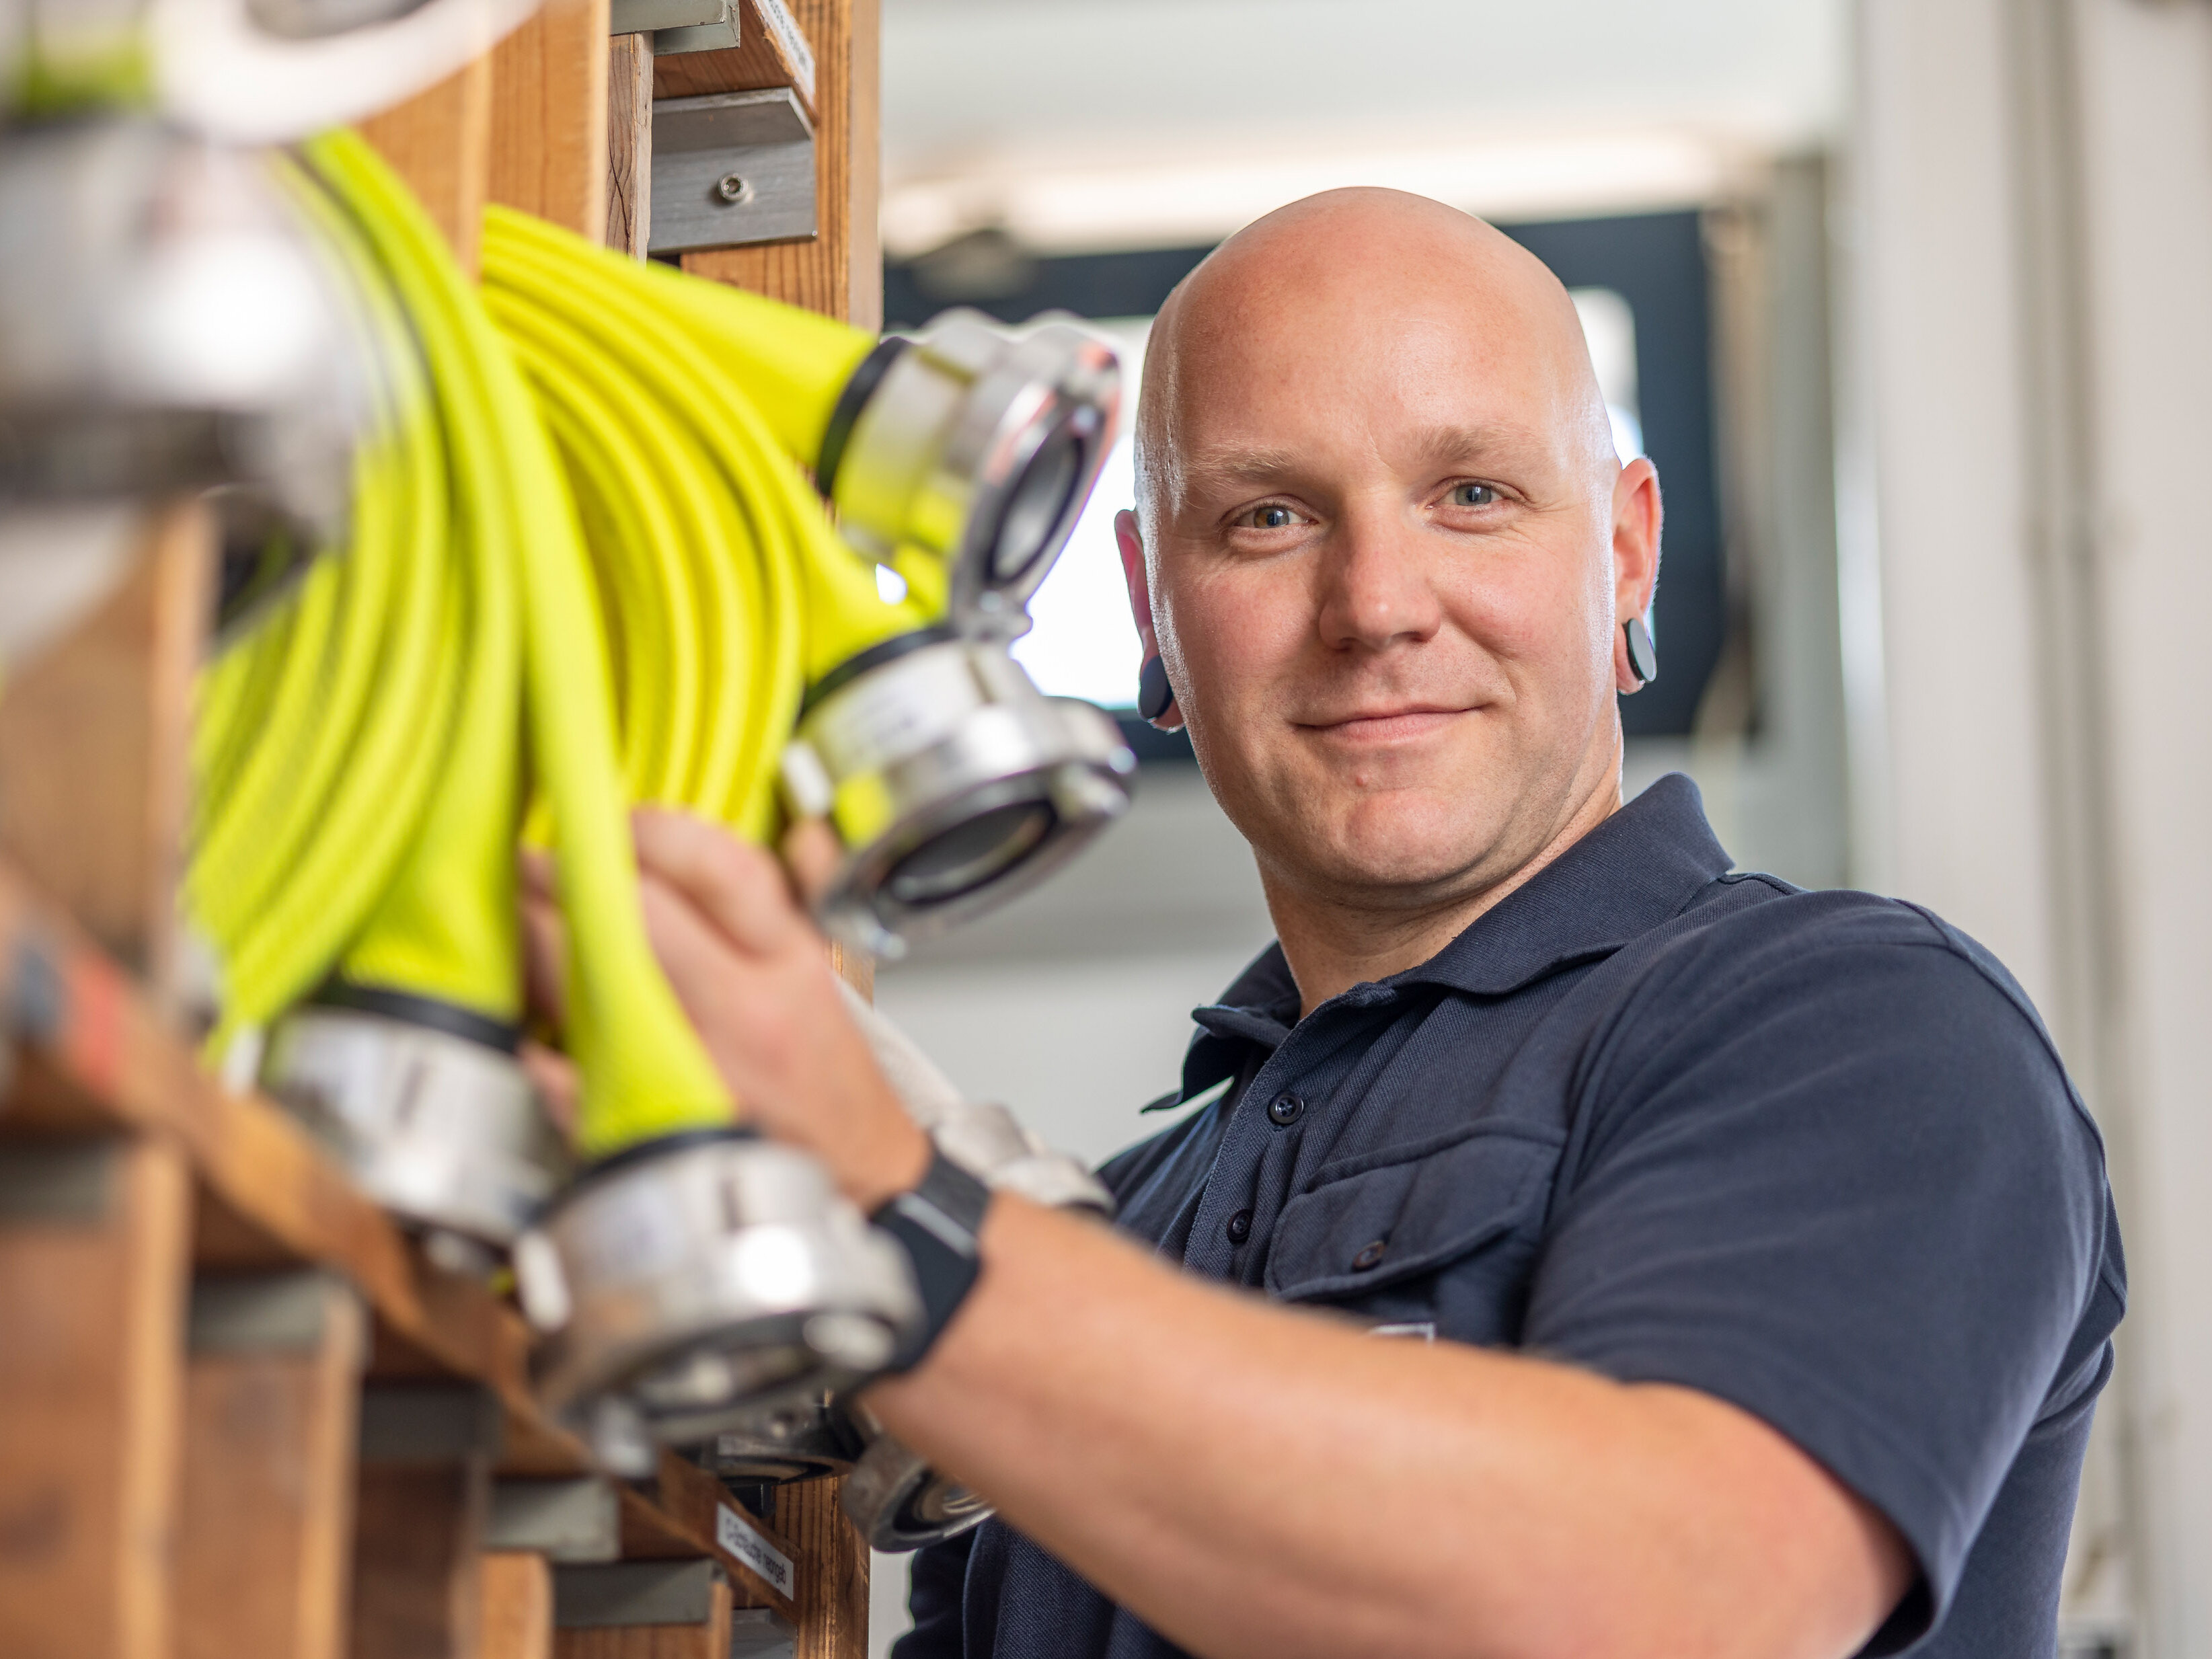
(1089, 124)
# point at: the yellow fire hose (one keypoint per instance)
(583, 521)
(312, 854)
(727, 589)
(320, 738)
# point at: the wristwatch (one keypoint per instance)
(936, 1225)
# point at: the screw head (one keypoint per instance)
(732, 188)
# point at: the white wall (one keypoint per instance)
(1936, 274)
(2034, 202)
(2147, 95)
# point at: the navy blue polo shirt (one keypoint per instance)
(1812, 1153)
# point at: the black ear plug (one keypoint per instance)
(1643, 659)
(1154, 693)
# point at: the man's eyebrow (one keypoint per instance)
(1255, 466)
(1222, 465)
(1446, 445)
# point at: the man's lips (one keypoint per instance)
(1386, 725)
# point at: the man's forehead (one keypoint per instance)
(1438, 383)
(1346, 256)
(1437, 325)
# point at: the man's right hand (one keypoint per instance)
(754, 976)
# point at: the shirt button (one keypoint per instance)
(1370, 1255)
(1284, 1110)
(1240, 1226)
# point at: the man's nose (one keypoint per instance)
(1377, 588)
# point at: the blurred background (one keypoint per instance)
(1907, 302)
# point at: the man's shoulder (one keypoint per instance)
(1744, 926)
(1771, 987)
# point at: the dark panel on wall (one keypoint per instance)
(990, 273)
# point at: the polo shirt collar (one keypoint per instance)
(1634, 871)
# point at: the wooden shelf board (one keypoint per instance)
(93, 1058)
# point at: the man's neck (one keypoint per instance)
(1333, 944)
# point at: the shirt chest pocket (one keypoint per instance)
(1445, 1236)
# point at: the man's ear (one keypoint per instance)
(1131, 541)
(1637, 519)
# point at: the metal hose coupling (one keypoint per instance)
(426, 1107)
(166, 327)
(694, 1284)
(269, 71)
(953, 783)
(897, 1500)
(801, 1440)
(977, 444)
(892, 1494)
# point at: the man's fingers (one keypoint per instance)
(544, 958)
(813, 854)
(554, 1076)
(693, 952)
(740, 887)
(741, 1006)
(539, 879)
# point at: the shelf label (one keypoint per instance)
(782, 25)
(735, 1533)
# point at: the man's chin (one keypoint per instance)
(1412, 862)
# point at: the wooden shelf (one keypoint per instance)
(93, 1058)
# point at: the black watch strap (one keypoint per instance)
(936, 1225)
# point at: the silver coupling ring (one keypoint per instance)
(445, 1132)
(953, 781)
(702, 1281)
(979, 444)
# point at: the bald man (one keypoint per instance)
(1589, 1251)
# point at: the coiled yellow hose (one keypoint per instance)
(583, 538)
(680, 407)
(485, 555)
(320, 738)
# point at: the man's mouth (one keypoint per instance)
(1387, 723)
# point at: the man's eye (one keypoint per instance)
(1273, 516)
(1472, 494)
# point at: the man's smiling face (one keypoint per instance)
(1382, 526)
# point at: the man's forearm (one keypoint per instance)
(1255, 1481)
(1251, 1480)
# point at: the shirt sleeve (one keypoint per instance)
(940, 1576)
(1834, 1175)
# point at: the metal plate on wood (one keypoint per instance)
(732, 168)
(643, 17)
(428, 1423)
(704, 37)
(264, 1313)
(65, 1182)
(635, 1592)
(760, 1633)
(572, 1519)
